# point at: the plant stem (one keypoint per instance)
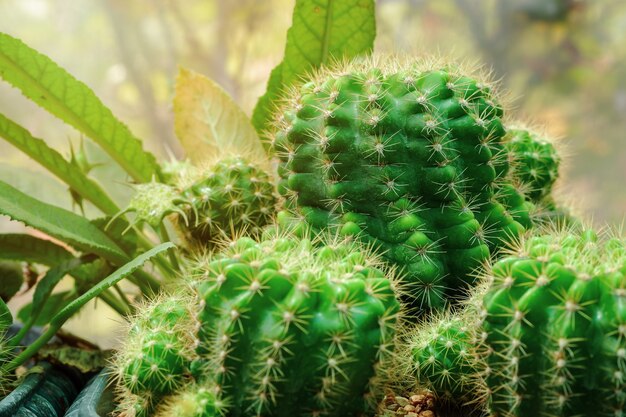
(108, 297)
(165, 237)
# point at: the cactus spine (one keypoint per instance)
(407, 156)
(282, 327)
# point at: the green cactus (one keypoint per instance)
(535, 160)
(157, 353)
(12, 278)
(232, 197)
(407, 156)
(284, 327)
(555, 327)
(441, 357)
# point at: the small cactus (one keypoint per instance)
(410, 158)
(232, 197)
(281, 327)
(535, 160)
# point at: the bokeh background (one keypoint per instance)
(561, 62)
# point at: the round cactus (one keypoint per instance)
(410, 158)
(555, 327)
(284, 327)
(442, 358)
(535, 160)
(233, 197)
(156, 355)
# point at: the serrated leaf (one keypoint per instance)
(59, 223)
(55, 163)
(27, 248)
(54, 89)
(118, 231)
(46, 285)
(108, 282)
(321, 30)
(208, 122)
(53, 305)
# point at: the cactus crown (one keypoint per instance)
(409, 157)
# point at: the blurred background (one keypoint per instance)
(561, 62)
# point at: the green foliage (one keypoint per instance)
(51, 87)
(55, 163)
(11, 279)
(408, 157)
(321, 31)
(59, 223)
(27, 248)
(280, 327)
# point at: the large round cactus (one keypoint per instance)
(278, 328)
(409, 157)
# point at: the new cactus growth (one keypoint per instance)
(535, 160)
(407, 156)
(283, 327)
(555, 327)
(441, 356)
(231, 197)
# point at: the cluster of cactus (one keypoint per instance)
(551, 339)
(231, 197)
(411, 158)
(281, 327)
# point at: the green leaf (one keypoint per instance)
(59, 223)
(321, 30)
(6, 319)
(209, 123)
(108, 282)
(27, 248)
(53, 88)
(53, 305)
(46, 285)
(56, 164)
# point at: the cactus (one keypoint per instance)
(440, 356)
(283, 327)
(555, 327)
(156, 354)
(409, 157)
(232, 197)
(536, 162)
(550, 337)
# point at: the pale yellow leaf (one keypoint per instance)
(209, 124)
